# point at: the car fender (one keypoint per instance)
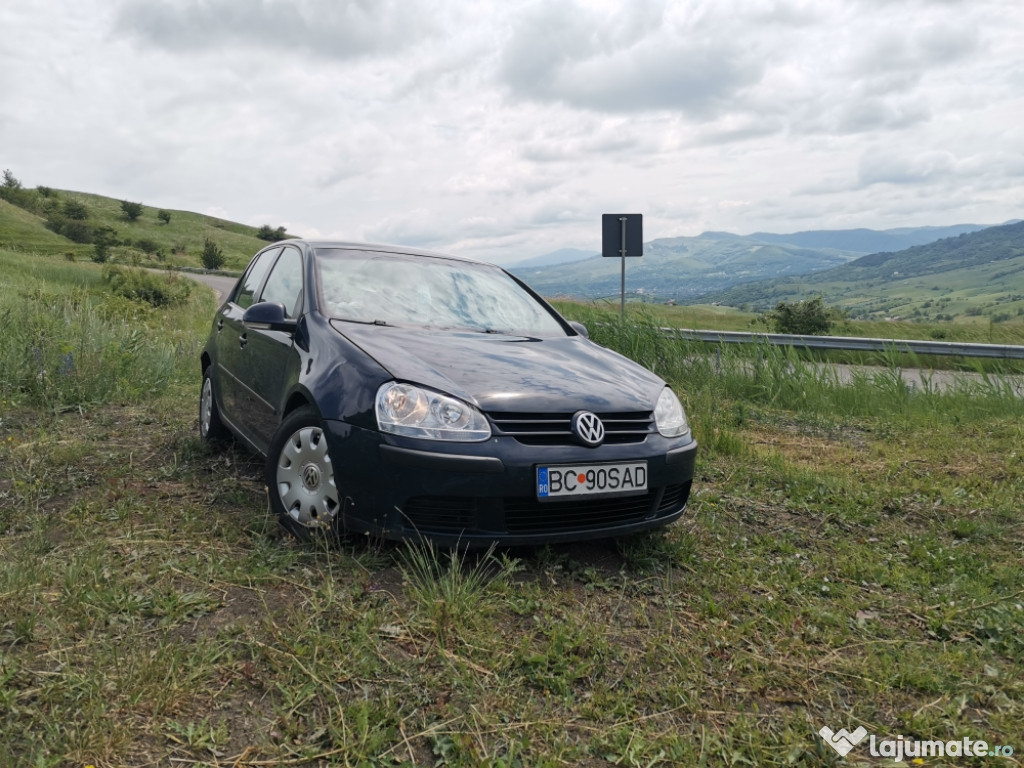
(342, 376)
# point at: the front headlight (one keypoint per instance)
(669, 415)
(405, 409)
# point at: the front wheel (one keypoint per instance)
(300, 476)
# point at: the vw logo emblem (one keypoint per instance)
(311, 477)
(588, 429)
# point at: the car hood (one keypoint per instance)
(507, 373)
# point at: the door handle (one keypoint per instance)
(220, 324)
(242, 341)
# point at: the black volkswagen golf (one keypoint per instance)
(397, 392)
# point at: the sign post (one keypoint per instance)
(622, 235)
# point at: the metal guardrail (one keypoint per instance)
(852, 343)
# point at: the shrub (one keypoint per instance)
(103, 238)
(131, 211)
(804, 318)
(271, 235)
(10, 181)
(164, 216)
(12, 191)
(140, 285)
(212, 256)
(147, 246)
(75, 210)
(73, 229)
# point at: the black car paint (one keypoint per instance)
(263, 373)
(486, 369)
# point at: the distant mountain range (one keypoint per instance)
(979, 273)
(689, 268)
(561, 256)
(869, 240)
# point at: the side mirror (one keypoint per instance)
(269, 316)
(580, 328)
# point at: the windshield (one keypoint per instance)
(396, 289)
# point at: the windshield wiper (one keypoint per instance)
(362, 322)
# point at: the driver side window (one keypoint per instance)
(248, 285)
(285, 282)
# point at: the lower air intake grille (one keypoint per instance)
(673, 497)
(470, 515)
(529, 516)
(441, 513)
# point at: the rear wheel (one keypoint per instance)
(211, 428)
(300, 476)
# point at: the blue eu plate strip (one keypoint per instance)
(542, 482)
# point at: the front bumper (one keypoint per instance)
(476, 494)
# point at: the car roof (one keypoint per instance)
(403, 250)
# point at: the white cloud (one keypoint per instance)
(336, 29)
(886, 167)
(639, 57)
(505, 130)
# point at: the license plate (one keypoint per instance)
(591, 480)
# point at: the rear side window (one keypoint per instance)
(285, 282)
(253, 277)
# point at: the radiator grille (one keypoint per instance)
(556, 428)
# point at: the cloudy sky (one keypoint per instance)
(504, 129)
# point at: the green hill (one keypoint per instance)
(980, 274)
(179, 241)
(23, 230)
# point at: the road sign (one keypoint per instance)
(622, 232)
(622, 235)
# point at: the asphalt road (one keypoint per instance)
(921, 380)
(221, 285)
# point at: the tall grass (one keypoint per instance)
(723, 318)
(68, 342)
(720, 384)
(452, 589)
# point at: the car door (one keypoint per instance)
(269, 360)
(230, 341)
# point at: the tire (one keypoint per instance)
(300, 476)
(211, 428)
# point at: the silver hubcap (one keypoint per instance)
(305, 479)
(206, 407)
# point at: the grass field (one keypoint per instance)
(852, 556)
